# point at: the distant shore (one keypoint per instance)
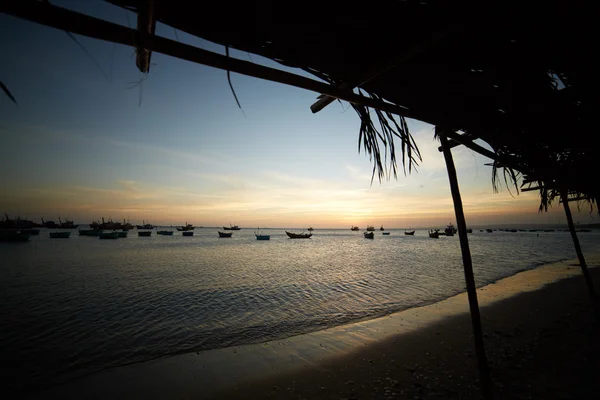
(538, 325)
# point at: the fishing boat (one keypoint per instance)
(90, 232)
(435, 234)
(67, 224)
(19, 223)
(187, 233)
(13, 235)
(385, 233)
(488, 230)
(31, 231)
(109, 235)
(145, 225)
(450, 230)
(302, 235)
(381, 228)
(370, 228)
(49, 224)
(469, 230)
(354, 228)
(122, 234)
(261, 236)
(110, 225)
(187, 227)
(8, 223)
(410, 233)
(60, 235)
(126, 226)
(232, 228)
(310, 229)
(145, 233)
(166, 233)
(369, 235)
(225, 234)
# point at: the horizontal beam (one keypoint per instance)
(471, 145)
(579, 198)
(531, 189)
(324, 101)
(494, 164)
(453, 143)
(71, 21)
(528, 180)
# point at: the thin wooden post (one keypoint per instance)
(586, 273)
(484, 372)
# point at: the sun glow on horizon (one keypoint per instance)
(172, 195)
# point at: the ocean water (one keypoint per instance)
(71, 307)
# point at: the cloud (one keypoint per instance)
(357, 174)
(151, 151)
(90, 139)
(277, 178)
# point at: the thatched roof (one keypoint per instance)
(520, 79)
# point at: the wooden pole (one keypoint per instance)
(484, 372)
(586, 273)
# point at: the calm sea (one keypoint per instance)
(70, 307)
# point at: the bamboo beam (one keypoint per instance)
(582, 263)
(484, 372)
(579, 198)
(71, 21)
(473, 146)
(324, 100)
(528, 180)
(454, 143)
(530, 189)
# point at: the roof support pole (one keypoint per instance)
(146, 25)
(484, 372)
(586, 273)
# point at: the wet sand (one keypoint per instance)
(539, 330)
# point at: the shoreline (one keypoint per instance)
(236, 371)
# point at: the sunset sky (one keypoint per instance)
(80, 144)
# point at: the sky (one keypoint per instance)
(92, 137)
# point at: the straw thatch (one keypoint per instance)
(520, 79)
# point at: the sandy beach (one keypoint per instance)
(541, 344)
(539, 336)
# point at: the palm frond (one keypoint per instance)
(96, 63)
(230, 84)
(379, 142)
(8, 93)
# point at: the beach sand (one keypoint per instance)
(541, 338)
